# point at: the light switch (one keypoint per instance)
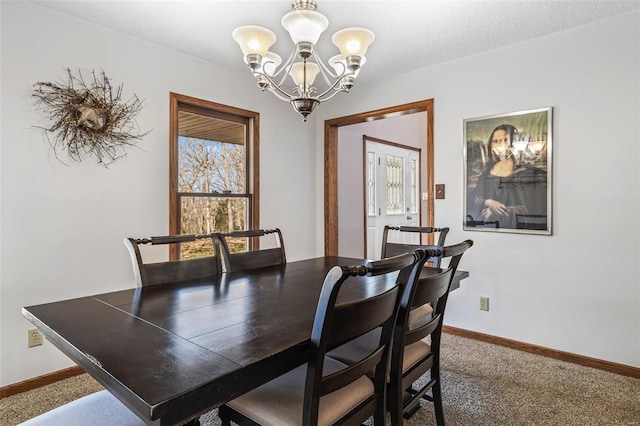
(440, 191)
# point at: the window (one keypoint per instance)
(213, 171)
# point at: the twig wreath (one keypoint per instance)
(89, 117)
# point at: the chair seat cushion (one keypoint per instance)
(419, 313)
(414, 353)
(279, 402)
(100, 408)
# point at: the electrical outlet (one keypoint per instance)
(35, 337)
(484, 303)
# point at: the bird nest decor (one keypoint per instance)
(89, 117)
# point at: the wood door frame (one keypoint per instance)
(379, 141)
(331, 163)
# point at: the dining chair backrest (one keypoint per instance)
(348, 307)
(243, 250)
(172, 271)
(393, 240)
(336, 324)
(427, 293)
(432, 288)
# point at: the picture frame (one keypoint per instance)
(508, 172)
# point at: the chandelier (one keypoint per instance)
(305, 26)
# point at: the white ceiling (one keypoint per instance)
(409, 34)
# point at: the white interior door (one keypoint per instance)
(391, 192)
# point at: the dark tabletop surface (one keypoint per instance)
(171, 352)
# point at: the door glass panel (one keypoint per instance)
(414, 186)
(371, 183)
(395, 185)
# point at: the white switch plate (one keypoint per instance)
(484, 303)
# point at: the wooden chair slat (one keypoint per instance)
(253, 258)
(173, 270)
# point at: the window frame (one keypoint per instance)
(189, 104)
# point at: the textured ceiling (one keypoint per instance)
(409, 34)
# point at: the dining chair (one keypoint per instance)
(174, 270)
(412, 355)
(325, 391)
(394, 242)
(99, 408)
(242, 250)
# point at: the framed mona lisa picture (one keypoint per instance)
(507, 172)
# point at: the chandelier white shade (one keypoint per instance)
(253, 39)
(305, 25)
(353, 41)
(296, 80)
(304, 74)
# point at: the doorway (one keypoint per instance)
(331, 219)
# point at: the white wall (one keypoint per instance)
(408, 130)
(63, 226)
(579, 289)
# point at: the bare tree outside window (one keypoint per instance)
(206, 167)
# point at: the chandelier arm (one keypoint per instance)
(337, 85)
(333, 87)
(278, 95)
(275, 86)
(324, 73)
(335, 92)
(286, 66)
(324, 69)
(328, 70)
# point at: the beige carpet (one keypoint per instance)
(483, 384)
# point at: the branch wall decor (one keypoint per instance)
(89, 117)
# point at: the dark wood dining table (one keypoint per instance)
(171, 352)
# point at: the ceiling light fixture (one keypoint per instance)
(304, 25)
